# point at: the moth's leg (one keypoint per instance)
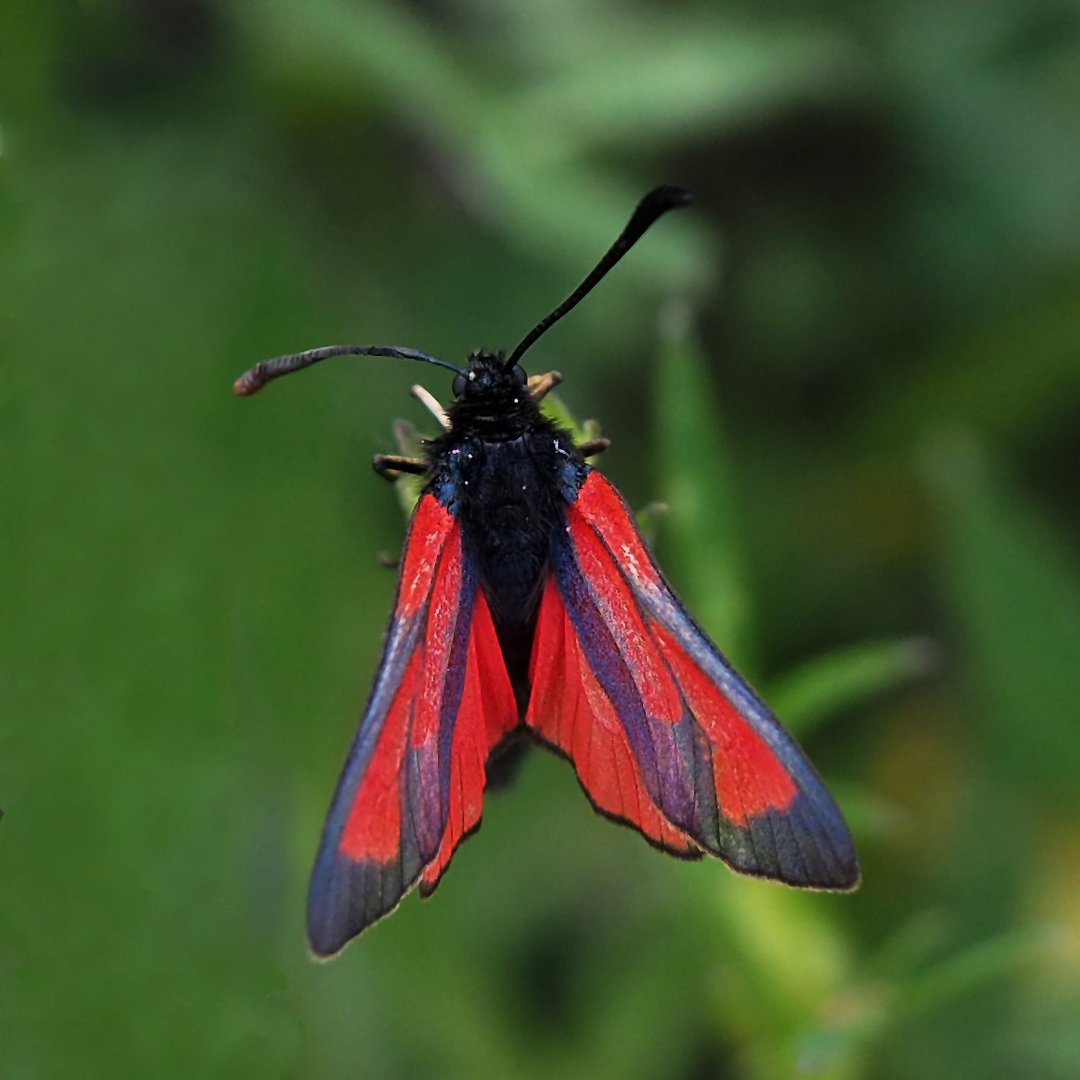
(391, 466)
(542, 385)
(430, 402)
(593, 447)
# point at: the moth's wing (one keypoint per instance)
(413, 783)
(662, 731)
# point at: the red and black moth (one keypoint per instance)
(528, 606)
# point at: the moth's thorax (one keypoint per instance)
(507, 490)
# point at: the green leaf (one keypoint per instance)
(556, 409)
(649, 519)
(976, 967)
(407, 485)
(820, 688)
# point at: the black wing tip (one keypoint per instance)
(345, 897)
(324, 943)
(332, 921)
(850, 876)
(838, 875)
(845, 875)
(838, 878)
(842, 881)
(800, 847)
(328, 930)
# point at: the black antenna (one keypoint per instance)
(659, 201)
(254, 379)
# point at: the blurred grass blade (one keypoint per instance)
(701, 537)
(974, 968)
(710, 76)
(1016, 599)
(879, 1006)
(1014, 398)
(827, 685)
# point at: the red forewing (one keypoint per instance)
(413, 783)
(662, 731)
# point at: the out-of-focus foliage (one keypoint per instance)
(851, 372)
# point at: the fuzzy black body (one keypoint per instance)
(507, 473)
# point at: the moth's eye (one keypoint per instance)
(519, 375)
(458, 386)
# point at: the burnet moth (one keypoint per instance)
(528, 606)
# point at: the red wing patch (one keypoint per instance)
(487, 712)
(413, 783)
(662, 731)
(750, 777)
(569, 710)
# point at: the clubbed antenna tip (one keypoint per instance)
(255, 378)
(659, 201)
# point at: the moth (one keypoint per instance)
(529, 607)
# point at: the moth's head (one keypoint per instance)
(487, 378)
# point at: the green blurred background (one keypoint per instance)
(852, 372)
